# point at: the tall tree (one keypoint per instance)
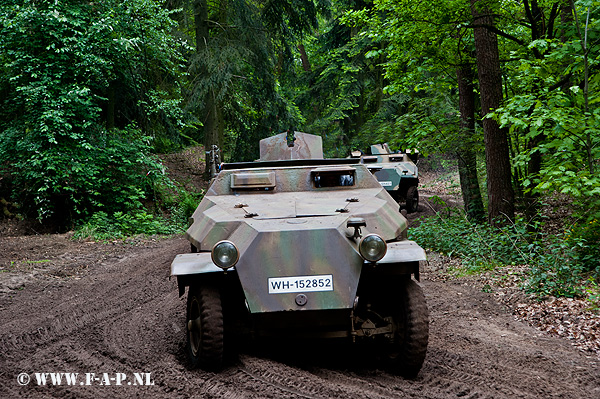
(429, 55)
(339, 85)
(211, 110)
(499, 174)
(240, 45)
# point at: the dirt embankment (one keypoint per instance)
(111, 308)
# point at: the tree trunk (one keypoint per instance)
(110, 107)
(499, 187)
(304, 58)
(210, 113)
(467, 159)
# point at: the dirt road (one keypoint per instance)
(111, 308)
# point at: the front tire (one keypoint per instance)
(399, 304)
(411, 331)
(204, 324)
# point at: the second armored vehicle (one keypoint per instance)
(300, 246)
(396, 172)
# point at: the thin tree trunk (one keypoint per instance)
(467, 159)
(499, 187)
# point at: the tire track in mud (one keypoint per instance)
(124, 315)
(266, 378)
(99, 328)
(479, 350)
(73, 315)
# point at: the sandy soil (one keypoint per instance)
(81, 307)
(110, 309)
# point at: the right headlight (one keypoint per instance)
(372, 247)
(225, 254)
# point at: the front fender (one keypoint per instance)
(402, 252)
(193, 263)
(401, 258)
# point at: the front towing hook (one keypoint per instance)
(356, 224)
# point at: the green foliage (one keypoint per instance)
(423, 44)
(341, 95)
(72, 178)
(558, 264)
(585, 243)
(73, 77)
(247, 45)
(480, 246)
(118, 225)
(179, 203)
(593, 291)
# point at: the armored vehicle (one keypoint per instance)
(396, 172)
(294, 245)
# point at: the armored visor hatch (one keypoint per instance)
(297, 245)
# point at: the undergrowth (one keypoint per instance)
(564, 264)
(172, 209)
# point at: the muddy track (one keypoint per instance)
(122, 314)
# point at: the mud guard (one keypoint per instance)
(188, 265)
(402, 252)
(402, 257)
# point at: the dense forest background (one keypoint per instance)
(90, 92)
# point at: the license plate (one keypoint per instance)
(386, 183)
(282, 285)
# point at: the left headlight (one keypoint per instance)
(372, 247)
(225, 254)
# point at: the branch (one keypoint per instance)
(561, 82)
(551, 19)
(499, 33)
(531, 19)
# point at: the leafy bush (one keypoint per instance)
(70, 73)
(586, 243)
(72, 179)
(185, 206)
(179, 203)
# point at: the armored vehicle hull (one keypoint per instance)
(302, 247)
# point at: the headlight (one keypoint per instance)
(372, 247)
(225, 254)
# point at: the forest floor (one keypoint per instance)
(110, 308)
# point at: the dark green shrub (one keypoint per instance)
(480, 246)
(72, 179)
(586, 244)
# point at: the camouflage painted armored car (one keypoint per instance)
(295, 245)
(396, 172)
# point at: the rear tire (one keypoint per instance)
(412, 199)
(204, 325)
